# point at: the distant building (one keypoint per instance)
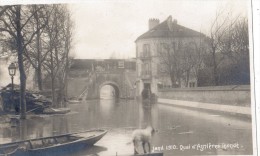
(148, 45)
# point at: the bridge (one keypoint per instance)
(87, 77)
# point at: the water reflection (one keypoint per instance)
(35, 127)
(107, 106)
(93, 151)
(148, 115)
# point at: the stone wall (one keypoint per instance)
(226, 95)
(76, 86)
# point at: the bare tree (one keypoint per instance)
(191, 59)
(68, 36)
(235, 47)
(37, 51)
(180, 61)
(169, 64)
(59, 33)
(236, 41)
(14, 23)
(219, 28)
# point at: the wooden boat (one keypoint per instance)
(53, 145)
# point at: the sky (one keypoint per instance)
(109, 28)
(105, 29)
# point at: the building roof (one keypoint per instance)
(169, 29)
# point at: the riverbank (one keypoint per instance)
(231, 109)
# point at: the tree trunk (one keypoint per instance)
(20, 64)
(215, 74)
(57, 75)
(53, 91)
(61, 91)
(38, 47)
(187, 78)
(65, 90)
(39, 77)
(52, 81)
(173, 81)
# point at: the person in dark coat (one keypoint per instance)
(146, 93)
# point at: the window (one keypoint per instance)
(164, 48)
(146, 50)
(121, 64)
(146, 69)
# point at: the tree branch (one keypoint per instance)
(29, 18)
(9, 31)
(32, 36)
(4, 8)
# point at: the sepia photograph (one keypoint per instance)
(127, 78)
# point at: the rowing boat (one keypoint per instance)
(54, 145)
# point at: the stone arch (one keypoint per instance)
(114, 85)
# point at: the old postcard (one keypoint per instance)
(121, 78)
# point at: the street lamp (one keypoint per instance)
(12, 71)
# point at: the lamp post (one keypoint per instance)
(12, 71)
(134, 90)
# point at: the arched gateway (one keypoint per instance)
(114, 85)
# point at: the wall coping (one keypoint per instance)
(208, 106)
(210, 88)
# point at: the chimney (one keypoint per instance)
(175, 21)
(153, 22)
(169, 23)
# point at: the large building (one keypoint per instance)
(171, 38)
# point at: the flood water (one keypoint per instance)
(180, 131)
